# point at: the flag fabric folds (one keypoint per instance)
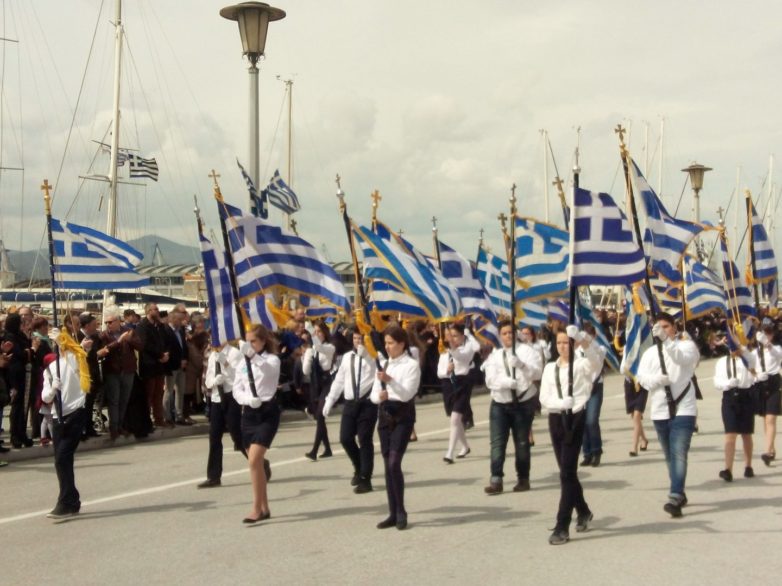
(388, 260)
(586, 314)
(638, 335)
(224, 325)
(140, 167)
(280, 195)
(666, 238)
(267, 258)
(85, 258)
(541, 260)
(765, 272)
(739, 296)
(534, 314)
(494, 275)
(559, 310)
(464, 276)
(703, 289)
(604, 252)
(260, 204)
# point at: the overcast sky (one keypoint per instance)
(437, 104)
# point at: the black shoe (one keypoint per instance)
(448, 460)
(311, 456)
(587, 461)
(726, 475)
(401, 522)
(326, 454)
(89, 432)
(559, 537)
(494, 488)
(582, 522)
(673, 509)
(59, 512)
(684, 500)
(522, 485)
(387, 524)
(354, 480)
(210, 483)
(767, 458)
(4, 450)
(596, 460)
(464, 454)
(262, 517)
(633, 454)
(267, 468)
(749, 472)
(363, 486)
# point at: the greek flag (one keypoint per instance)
(267, 258)
(666, 238)
(280, 195)
(494, 275)
(638, 335)
(541, 260)
(559, 310)
(464, 276)
(87, 259)
(140, 167)
(765, 272)
(534, 314)
(389, 261)
(604, 252)
(260, 204)
(739, 297)
(704, 290)
(224, 326)
(586, 314)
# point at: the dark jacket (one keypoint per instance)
(154, 345)
(92, 360)
(122, 355)
(176, 352)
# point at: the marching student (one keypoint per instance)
(394, 389)
(768, 383)
(260, 411)
(317, 364)
(566, 419)
(68, 374)
(510, 377)
(674, 408)
(733, 377)
(453, 370)
(354, 381)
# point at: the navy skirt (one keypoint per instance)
(635, 400)
(259, 426)
(737, 411)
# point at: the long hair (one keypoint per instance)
(268, 339)
(399, 335)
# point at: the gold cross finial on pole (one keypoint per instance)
(340, 195)
(339, 180)
(558, 183)
(513, 200)
(480, 238)
(293, 227)
(214, 175)
(720, 212)
(47, 198)
(503, 219)
(376, 197)
(434, 223)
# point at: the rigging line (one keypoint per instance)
(681, 195)
(70, 130)
(21, 145)
(274, 138)
(82, 182)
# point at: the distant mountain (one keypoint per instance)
(173, 253)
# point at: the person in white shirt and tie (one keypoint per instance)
(354, 380)
(510, 378)
(317, 363)
(768, 386)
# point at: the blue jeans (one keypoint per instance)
(504, 418)
(593, 442)
(674, 435)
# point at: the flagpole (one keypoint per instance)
(572, 296)
(748, 198)
(360, 296)
(625, 155)
(511, 245)
(47, 201)
(232, 276)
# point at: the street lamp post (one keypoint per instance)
(696, 172)
(253, 19)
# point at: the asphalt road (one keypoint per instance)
(144, 521)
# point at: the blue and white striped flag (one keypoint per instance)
(604, 252)
(739, 296)
(464, 276)
(224, 326)
(586, 314)
(140, 167)
(765, 272)
(559, 310)
(494, 275)
(638, 334)
(85, 258)
(390, 261)
(703, 289)
(280, 195)
(666, 238)
(542, 258)
(260, 204)
(267, 258)
(534, 314)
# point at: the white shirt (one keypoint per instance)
(745, 377)
(266, 372)
(462, 358)
(363, 371)
(499, 373)
(73, 397)
(405, 373)
(584, 369)
(325, 353)
(681, 357)
(229, 359)
(772, 356)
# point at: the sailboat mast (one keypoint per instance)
(111, 224)
(289, 87)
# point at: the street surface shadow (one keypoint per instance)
(380, 510)
(440, 482)
(194, 507)
(458, 515)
